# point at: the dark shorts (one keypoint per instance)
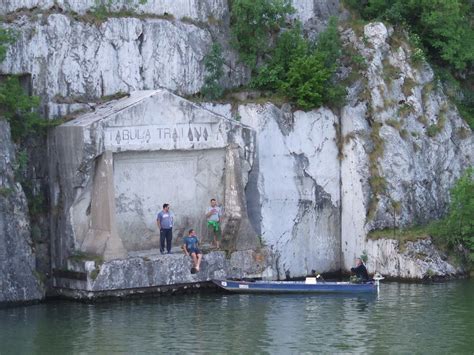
(195, 250)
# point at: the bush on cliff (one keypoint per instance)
(6, 37)
(253, 22)
(213, 62)
(18, 109)
(444, 26)
(443, 29)
(304, 71)
(458, 226)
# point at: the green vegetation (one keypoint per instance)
(16, 106)
(5, 191)
(18, 109)
(403, 235)
(458, 226)
(393, 122)
(253, 22)
(443, 27)
(377, 182)
(309, 81)
(213, 62)
(283, 62)
(6, 37)
(440, 30)
(80, 256)
(104, 9)
(303, 71)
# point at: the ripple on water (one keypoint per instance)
(403, 318)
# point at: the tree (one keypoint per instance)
(6, 37)
(290, 45)
(18, 108)
(213, 63)
(252, 24)
(460, 220)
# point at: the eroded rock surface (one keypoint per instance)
(19, 282)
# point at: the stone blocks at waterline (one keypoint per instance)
(113, 168)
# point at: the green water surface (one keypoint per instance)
(402, 319)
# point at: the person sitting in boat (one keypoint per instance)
(190, 248)
(360, 271)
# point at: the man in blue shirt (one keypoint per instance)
(164, 221)
(190, 247)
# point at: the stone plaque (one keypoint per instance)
(161, 136)
(145, 180)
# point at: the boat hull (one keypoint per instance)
(295, 287)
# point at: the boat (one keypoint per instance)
(309, 285)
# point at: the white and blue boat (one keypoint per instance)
(310, 285)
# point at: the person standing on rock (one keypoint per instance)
(214, 219)
(190, 248)
(164, 221)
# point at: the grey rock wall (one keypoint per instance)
(73, 62)
(194, 9)
(18, 280)
(298, 187)
(411, 261)
(154, 271)
(312, 210)
(74, 59)
(423, 143)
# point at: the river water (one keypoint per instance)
(402, 318)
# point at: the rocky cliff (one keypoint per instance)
(321, 180)
(19, 282)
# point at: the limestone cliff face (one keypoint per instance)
(402, 143)
(18, 281)
(73, 62)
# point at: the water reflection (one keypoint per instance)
(403, 318)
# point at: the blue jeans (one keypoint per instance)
(166, 234)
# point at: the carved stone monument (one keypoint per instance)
(113, 168)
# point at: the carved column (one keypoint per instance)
(237, 232)
(102, 238)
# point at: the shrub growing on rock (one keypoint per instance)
(213, 62)
(304, 71)
(458, 226)
(253, 22)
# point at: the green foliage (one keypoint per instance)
(5, 192)
(401, 234)
(303, 71)
(213, 62)
(458, 226)
(6, 37)
(19, 109)
(290, 46)
(306, 81)
(443, 27)
(21, 164)
(103, 9)
(253, 22)
(461, 92)
(329, 44)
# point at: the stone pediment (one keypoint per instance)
(154, 120)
